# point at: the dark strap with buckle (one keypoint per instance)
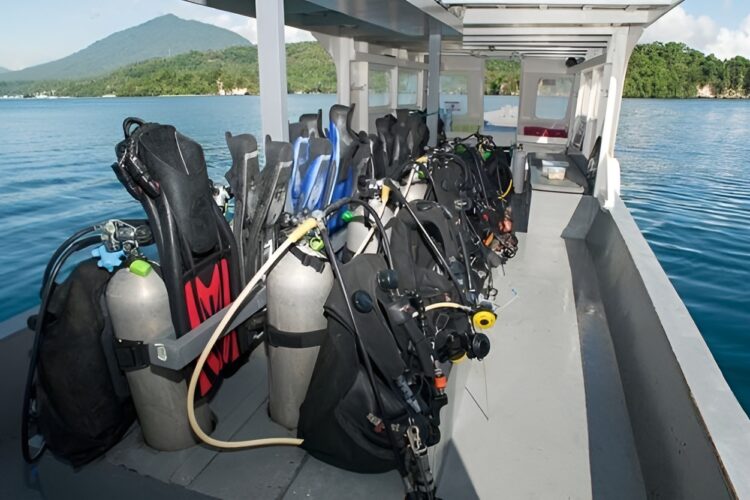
(308, 260)
(131, 354)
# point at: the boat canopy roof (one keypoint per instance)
(487, 28)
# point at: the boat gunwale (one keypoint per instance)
(718, 410)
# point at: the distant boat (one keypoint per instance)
(507, 116)
(109, 95)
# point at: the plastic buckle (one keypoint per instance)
(131, 354)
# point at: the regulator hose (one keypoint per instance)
(384, 243)
(507, 191)
(55, 256)
(68, 248)
(446, 305)
(477, 163)
(300, 231)
(385, 193)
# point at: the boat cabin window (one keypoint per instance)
(408, 83)
(454, 99)
(501, 101)
(379, 87)
(552, 97)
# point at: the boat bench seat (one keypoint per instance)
(575, 182)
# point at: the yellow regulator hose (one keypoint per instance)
(295, 236)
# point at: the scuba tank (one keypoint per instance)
(138, 305)
(417, 191)
(357, 231)
(296, 288)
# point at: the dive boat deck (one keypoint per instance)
(556, 410)
(543, 416)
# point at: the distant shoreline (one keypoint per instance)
(55, 98)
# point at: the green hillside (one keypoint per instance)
(3, 70)
(163, 36)
(664, 70)
(670, 70)
(310, 69)
(675, 70)
(501, 77)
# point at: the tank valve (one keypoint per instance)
(316, 243)
(347, 216)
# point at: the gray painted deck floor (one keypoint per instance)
(536, 429)
(528, 432)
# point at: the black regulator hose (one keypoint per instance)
(467, 265)
(55, 256)
(477, 163)
(62, 253)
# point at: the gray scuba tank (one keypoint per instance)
(417, 191)
(139, 309)
(357, 231)
(296, 290)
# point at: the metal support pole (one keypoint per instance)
(433, 83)
(272, 69)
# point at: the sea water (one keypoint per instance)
(685, 177)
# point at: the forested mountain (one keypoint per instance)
(163, 36)
(3, 70)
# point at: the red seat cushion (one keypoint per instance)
(559, 133)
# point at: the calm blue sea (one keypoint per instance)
(685, 175)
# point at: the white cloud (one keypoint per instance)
(679, 26)
(701, 33)
(243, 26)
(730, 43)
(296, 35)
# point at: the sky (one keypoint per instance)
(38, 31)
